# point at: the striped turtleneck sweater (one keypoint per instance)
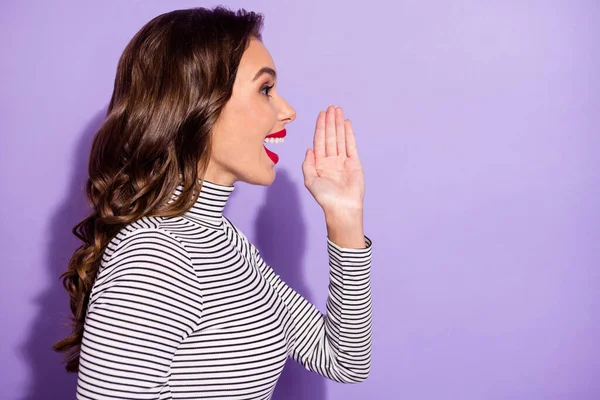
(185, 308)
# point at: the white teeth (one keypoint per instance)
(274, 140)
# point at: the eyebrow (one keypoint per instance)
(265, 70)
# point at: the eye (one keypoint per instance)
(267, 89)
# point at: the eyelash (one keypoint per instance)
(267, 88)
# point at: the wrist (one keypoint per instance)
(344, 217)
(345, 228)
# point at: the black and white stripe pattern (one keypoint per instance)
(186, 308)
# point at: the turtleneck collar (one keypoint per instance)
(210, 204)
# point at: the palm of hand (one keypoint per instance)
(332, 171)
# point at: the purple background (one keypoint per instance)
(478, 126)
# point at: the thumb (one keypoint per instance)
(308, 166)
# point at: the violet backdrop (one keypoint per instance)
(478, 128)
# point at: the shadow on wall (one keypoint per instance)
(48, 378)
(281, 239)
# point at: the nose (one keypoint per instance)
(286, 113)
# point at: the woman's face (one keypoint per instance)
(254, 111)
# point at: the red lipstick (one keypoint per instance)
(280, 134)
(273, 156)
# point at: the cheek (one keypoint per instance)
(255, 119)
(259, 111)
(245, 121)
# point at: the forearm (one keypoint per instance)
(336, 345)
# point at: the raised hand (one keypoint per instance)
(332, 170)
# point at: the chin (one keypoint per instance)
(268, 178)
(264, 179)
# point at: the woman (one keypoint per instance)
(170, 299)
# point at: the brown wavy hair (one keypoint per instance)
(172, 82)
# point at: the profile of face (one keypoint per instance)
(254, 111)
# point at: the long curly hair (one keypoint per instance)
(172, 82)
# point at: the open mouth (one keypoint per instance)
(274, 138)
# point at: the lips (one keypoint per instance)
(273, 156)
(280, 134)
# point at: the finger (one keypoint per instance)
(309, 158)
(351, 149)
(319, 139)
(308, 167)
(330, 134)
(340, 131)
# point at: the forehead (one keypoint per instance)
(254, 58)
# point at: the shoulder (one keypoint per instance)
(147, 242)
(145, 255)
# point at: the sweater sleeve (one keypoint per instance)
(145, 302)
(336, 345)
